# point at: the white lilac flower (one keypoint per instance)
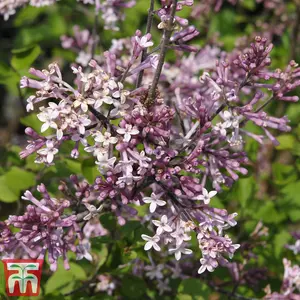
(180, 236)
(47, 116)
(98, 150)
(120, 109)
(295, 248)
(124, 166)
(154, 272)
(93, 211)
(29, 105)
(102, 97)
(82, 122)
(143, 41)
(120, 93)
(154, 201)
(151, 242)
(206, 196)
(83, 58)
(128, 179)
(162, 225)
(231, 96)
(105, 138)
(49, 151)
(235, 141)
(208, 224)
(188, 226)
(83, 103)
(104, 163)
(178, 250)
(209, 249)
(220, 128)
(208, 264)
(81, 138)
(230, 119)
(128, 131)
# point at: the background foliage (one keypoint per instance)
(269, 193)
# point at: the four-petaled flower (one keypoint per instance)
(49, 151)
(231, 119)
(47, 116)
(105, 138)
(220, 128)
(178, 250)
(206, 196)
(143, 41)
(207, 264)
(104, 163)
(93, 211)
(128, 131)
(162, 225)
(154, 201)
(151, 242)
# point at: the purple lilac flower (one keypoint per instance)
(44, 227)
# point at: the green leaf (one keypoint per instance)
(32, 121)
(294, 215)
(23, 58)
(89, 170)
(280, 240)
(129, 228)
(6, 195)
(243, 190)
(133, 287)
(287, 142)
(63, 281)
(283, 174)
(73, 165)
(10, 78)
(28, 14)
(184, 297)
(18, 180)
(67, 167)
(108, 221)
(268, 214)
(99, 240)
(194, 287)
(291, 193)
(249, 4)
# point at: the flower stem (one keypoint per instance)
(165, 42)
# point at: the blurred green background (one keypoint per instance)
(269, 193)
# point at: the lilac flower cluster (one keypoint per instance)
(112, 10)
(159, 136)
(290, 287)
(44, 226)
(176, 232)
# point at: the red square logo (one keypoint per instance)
(22, 276)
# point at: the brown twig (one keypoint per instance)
(165, 42)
